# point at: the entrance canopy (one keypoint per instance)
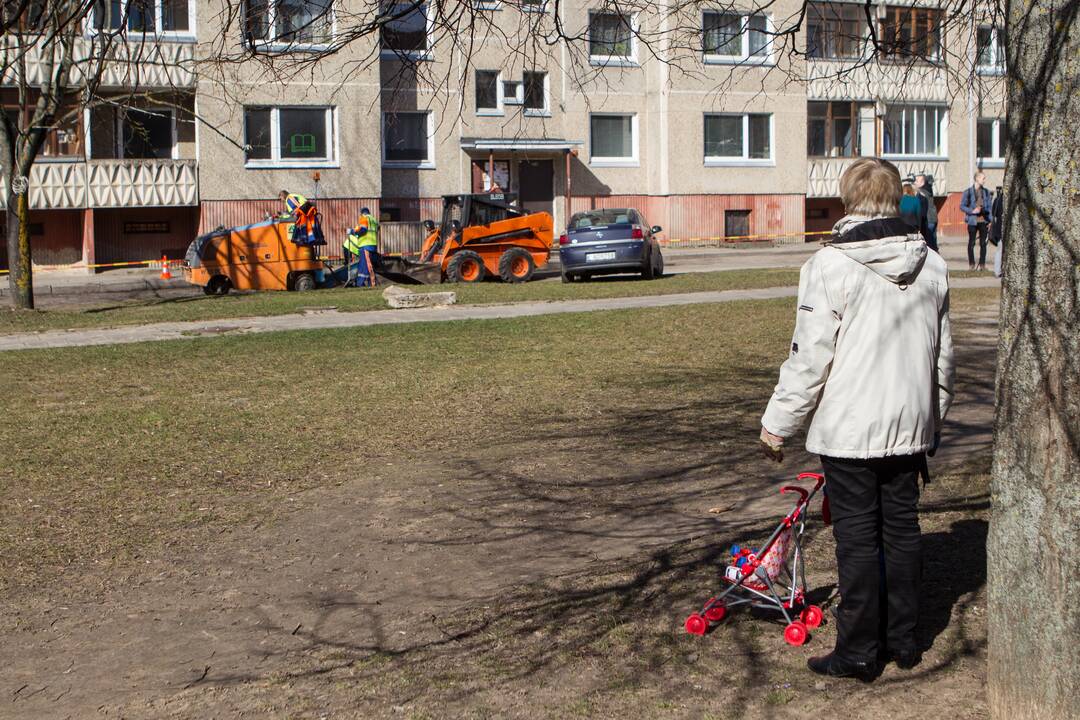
(531, 145)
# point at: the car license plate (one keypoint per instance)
(599, 257)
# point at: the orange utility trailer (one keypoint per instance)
(253, 257)
(480, 235)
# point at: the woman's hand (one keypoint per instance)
(772, 445)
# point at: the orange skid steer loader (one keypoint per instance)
(480, 235)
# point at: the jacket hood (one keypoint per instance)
(888, 246)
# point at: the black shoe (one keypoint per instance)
(833, 666)
(905, 659)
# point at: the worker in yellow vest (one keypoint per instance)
(363, 242)
(304, 213)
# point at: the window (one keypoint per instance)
(289, 22)
(910, 32)
(532, 5)
(728, 37)
(405, 33)
(63, 140)
(535, 100)
(24, 16)
(990, 140)
(611, 38)
(146, 134)
(832, 129)
(613, 139)
(740, 139)
(836, 31)
(915, 130)
(989, 50)
(408, 140)
(736, 223)
(165, 17)
(488, 95)
(289, 136)
(513, 92)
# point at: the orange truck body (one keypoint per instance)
(253, 257)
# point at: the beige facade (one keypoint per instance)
(713, 122)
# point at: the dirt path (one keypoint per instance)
(334, 319)
(529, 578)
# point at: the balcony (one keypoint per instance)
(113, 184)
(823, 174)
(915, 82)
(150, 64)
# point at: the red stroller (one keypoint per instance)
(773, 577)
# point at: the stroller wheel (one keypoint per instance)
(812, 616)
(716, 613)
(696, 625)
(796, 633)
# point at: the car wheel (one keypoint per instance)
(659, 272)
(648, 271)
(567, 277)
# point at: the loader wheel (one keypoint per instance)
(516, 266)
(218, 285)
(304, 282)
(465, 267)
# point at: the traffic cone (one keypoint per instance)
(165, 274)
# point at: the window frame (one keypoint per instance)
(427, 164)
(121, 113)
(544, 111)
(745, 160)
(539, 7)
(830, 117)
(891, 51)
(816, 10)
(273, 44)
(744, 57)
(499, 110)
(630, 60)
(275, 160)
(187, 36)
(427, 53)
(50, 135)
(943, 132)
(998, 127)
(997, 52)
(635, 155)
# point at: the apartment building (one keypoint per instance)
(713, 122)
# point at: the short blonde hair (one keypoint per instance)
(871, 186)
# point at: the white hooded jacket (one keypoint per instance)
(871, 361)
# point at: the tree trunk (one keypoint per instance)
(20, 277)
(1034, 541)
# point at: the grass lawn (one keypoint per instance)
(545, 460)
(109, 450)
(135, 312)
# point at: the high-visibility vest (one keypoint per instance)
(369, 239)
(294, 201)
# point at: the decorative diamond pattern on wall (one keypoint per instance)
(902, 82)
(142, 183)
(823, 174)
(129, 65)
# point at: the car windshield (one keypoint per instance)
(601, 218)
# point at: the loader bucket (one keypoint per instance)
(408, 272)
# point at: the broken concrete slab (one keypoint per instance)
(398, 297)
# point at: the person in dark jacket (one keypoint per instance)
(924, 186)
(975, 204)
(997, 215)
(912, 208)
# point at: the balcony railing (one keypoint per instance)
(862, 80)
(114, 184)
(152, 64)
(823, 174)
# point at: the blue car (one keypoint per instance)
(610, 241)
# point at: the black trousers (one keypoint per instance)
(982, 230)
(875, 515)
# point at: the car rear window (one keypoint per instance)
(601, 218)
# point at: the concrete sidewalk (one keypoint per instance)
(324, 320)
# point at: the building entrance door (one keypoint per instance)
(536, 183)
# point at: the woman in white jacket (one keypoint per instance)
(871, 369)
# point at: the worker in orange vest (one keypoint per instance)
(305, 215)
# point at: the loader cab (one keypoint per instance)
(471, 210)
